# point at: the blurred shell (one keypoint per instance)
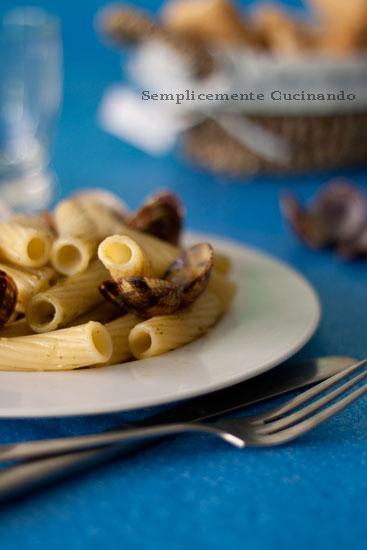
(161, 216)
(357, 248)
(337, 216)
(143, 296)
(191, 272)
(8, 297)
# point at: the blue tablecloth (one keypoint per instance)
(196, 492)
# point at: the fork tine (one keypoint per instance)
(276, 425)
(283, 436)
(306, 395)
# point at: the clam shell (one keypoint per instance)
(143, 296)
(161, 216)
(8, 297)
(356, 248)
(191, 272)
(337, 215)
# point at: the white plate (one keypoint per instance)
(275, 313)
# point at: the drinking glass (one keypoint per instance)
(30, 98)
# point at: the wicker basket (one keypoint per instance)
(319, 135)
(316, 134)
(316, 142)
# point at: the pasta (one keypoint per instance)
(71, 255)
(17, 328)
(123, 257)
(221, 263)
(78, 238)
(67, 300)
(119, 330)
(160, 253)
(66, 312)
(167, 332)
(103, 313)
(24, 246)
(107, 221)
(28, 282)
(223, 287)
(32, 220)
(13, 317)
(68, 348)
(71, 219)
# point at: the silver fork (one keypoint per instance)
(280, 425)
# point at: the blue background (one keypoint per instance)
(196, 492)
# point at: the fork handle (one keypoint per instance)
(17, 480)
(46, 448)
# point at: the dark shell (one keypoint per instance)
(184, 281)
(143, 296)
(8, 297)
(191, 272)
(337, 216)
(356, 248)
(161, 216)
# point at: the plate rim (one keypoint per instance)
(187, 394)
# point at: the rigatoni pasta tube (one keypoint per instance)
(221, 263)
(168, 332)
(223, 287)
(71, 219)
(124, 257)
(67, 300)
(78, 238)
(108, 221)
(36, 221)
(17, 328)
(119, 330)
(68, 348)
(12, 318)
(71, 255)
(24, 246)
(160, 253)
(28, 282)
(103, 313)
